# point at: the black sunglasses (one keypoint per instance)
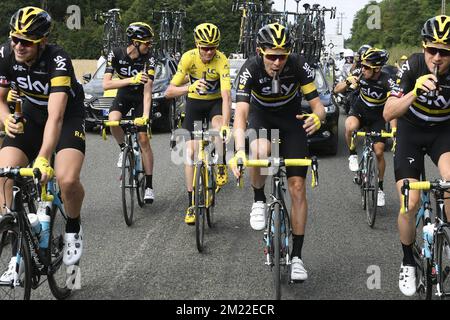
(25, 43)
(206, 49)
(433, 51)
(274, 57)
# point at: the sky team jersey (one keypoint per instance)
(255, 85)
(118, 61)
(217, 73)
(52, 72)
(374, 93)
(424, 111)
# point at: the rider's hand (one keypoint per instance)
(225, 133)
(198, 85)
(312, 122)
(425, 83)
(351, 81)
(142, 121)
(11, 127)
(42, 164)
(140, 78)
(233, 162)
(394, 131)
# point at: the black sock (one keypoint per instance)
(190, 198)
(73, 225)
(122, 145)
(380, 185)
(259, 194)
(352, 152)
(297, 245)
(148, 181)
(408, 256)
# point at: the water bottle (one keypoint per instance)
(276, 83)
(137, 155)
(44, 220)
(201, 92)
(427, 233)
(35, 225)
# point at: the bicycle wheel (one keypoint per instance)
(276, 211)
(371, 189)
(211, 197)
(60, 285)
(199, 206)
(128, 185)
(9, 232)
(442, 258)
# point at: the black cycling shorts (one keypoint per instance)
(370, 120)
(413, 143)
(124, 105)
(293, 140)
(30, 142)
(197, 110)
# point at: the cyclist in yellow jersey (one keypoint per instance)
(209, 96)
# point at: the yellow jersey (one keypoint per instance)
(217, 73)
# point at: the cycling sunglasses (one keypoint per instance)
(275, 56)
(146, 43)
(433, 51)
(23, 42)
(365, 66)
(206, 49)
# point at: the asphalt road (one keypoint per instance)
(157, 258)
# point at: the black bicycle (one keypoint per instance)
(432, 249)
(18, 240)
(278, 231)
(113, 33)
(132, 174)
(367, 175)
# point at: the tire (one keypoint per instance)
(212, 197)
(8, 236)
(276, 211)
(128, 185)
(199, 206)
(58, 282)
(371, 189)
(443, 277)
(140, 190)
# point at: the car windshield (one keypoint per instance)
(160, 72)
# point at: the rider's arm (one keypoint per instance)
(225, 86)
(240, 124)
(318, 108)
(4, 110)
(57, 102)
(108, 82)
(341, 87)
(148, 88)
(178, 86)
(4, 84)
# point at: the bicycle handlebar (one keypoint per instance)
(14, 172)
(280, 162)
(373, 134)
(420, 185)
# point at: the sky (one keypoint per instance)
(348, 7)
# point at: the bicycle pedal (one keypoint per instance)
(296, 281)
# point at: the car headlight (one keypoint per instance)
(330, 108)
(158, 95)
(88, 96)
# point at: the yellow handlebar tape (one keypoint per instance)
(420, 185)
(26, 172)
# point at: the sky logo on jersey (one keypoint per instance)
(439, 101)
(36, 86)
(284, 89)
(372, 94)
(60, 63)
(17, 67)
(243, 78)
(128, 71)
(308, 70)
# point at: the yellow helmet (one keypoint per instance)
(404, 57)
(30, 23)
(207, 34)
(437, 30)
(274, 36)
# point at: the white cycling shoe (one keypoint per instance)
(8, 275)
(407, 280)
(353, 163)
(73, 247)
(258, 216)
(298, 271)
(381, 201)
